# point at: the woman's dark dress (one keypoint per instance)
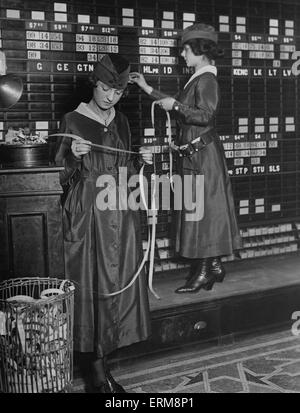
(103, 249)
(216, 233)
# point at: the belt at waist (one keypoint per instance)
(195, 145)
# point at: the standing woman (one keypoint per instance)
(103, 246)
(201, 152)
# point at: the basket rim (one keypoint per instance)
(17, 282)
(17, 279)
(24, 145)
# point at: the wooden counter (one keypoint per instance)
(31, 239)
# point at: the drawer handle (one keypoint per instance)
(200, 325)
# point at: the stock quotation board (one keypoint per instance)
(53, 45)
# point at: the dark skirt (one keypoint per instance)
(212, 230)
(103, 250)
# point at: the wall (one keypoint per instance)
(53, 45)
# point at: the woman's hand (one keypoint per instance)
(80, 147)
(138, 78)
(166, 103)
(146, 155)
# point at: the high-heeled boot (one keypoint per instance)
(99, 380)
(193, 268)
(202, 279)
(217, 269)
(114, 386)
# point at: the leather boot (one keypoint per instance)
(102, 388)
(193, 268)
(114, 386)
(201, 279)
(100, 383)
(217, 269)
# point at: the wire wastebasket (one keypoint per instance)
(36, 335)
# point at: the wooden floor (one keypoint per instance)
(256, 295)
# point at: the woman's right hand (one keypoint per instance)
(138, 78)
(80, 147)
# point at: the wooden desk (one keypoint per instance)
(31, 238)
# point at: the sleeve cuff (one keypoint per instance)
(176, 106)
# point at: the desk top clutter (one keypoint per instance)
(36, 335)
(24, 148)
(23, 136)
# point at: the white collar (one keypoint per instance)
(204, 69)
(85, 110)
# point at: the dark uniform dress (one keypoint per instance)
(216, 233)
(103, 248)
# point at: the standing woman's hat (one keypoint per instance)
(113, 70)
(199, 31)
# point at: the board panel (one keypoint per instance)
(53, 45)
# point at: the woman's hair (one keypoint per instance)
(93, 79)
(206, 47)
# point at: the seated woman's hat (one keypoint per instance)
(113, 70)
(199, 31)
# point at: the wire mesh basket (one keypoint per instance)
(36, 335)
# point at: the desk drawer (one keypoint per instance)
(187, 327)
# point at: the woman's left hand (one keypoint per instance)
(146, 155)
(166, 103)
